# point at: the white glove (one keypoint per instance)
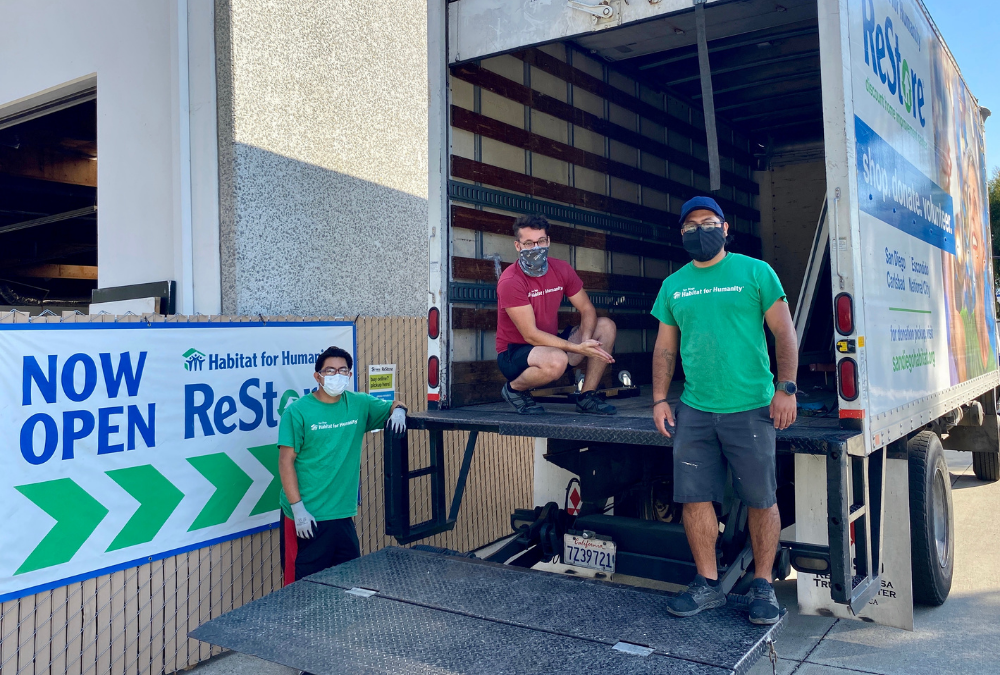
(398, 420)
(304, 522)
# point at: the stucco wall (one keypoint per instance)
(323, 156)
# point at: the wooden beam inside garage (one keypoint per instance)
(47, 164)
(88, 272)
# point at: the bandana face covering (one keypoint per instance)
(534, 261)
(703, 245)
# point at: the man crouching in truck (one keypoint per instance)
(529, 351)
(319, 460)
(714, 309)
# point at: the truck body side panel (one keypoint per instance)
(439, 148)
(918, 158)
(838, 134)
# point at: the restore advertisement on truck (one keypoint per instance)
(924, 222)
(130, 442)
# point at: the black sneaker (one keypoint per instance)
(698, 596)
(764, 607)
(593, 403)
(521, 400)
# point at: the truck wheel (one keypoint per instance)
(986, 465)
(932, 522)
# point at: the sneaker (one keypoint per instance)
(698, 596)
(521, 400)
(764, 607)
(593, 403)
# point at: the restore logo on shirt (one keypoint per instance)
(536, 293)
(700, 291)
(319, 426)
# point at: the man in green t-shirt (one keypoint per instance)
(712, 311)
(319, 446)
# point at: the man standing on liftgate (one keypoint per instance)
(713, 310)
(319, 460)
(529, 351)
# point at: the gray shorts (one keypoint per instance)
(706, 443)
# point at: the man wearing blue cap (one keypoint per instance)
(712, 311)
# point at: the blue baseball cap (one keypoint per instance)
(696, 203)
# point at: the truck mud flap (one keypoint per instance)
(404, 611)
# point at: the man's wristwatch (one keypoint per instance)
(786, 386)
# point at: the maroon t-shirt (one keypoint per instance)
(544, 294)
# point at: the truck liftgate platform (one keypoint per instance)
(424, 611)
(855, 481)
(406, 611)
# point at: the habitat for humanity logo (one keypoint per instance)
(193, 359)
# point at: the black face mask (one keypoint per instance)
(703, 245)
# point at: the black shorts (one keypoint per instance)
(333, 542)
(706, 443)
(514, 360)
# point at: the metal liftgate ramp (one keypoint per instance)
(855, 483)
(405, 611)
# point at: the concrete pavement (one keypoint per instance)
(962, 636)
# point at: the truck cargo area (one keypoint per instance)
(605, 134)
(408, 611)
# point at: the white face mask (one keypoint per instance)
(334, 385)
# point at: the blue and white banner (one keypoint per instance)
(897, 193)
(132, 442)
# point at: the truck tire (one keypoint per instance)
(932, 521)
(986, 466)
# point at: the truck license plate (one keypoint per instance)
(598, 554)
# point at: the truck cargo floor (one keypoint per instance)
(632, 425)
(432, 613)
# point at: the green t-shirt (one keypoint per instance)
(326, 438)
(720, 313)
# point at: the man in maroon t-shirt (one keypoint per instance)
(530, 350)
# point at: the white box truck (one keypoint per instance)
(847, 151)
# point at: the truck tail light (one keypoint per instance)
(433, 371)
(433, 323)
(847, 371)
(844, 306)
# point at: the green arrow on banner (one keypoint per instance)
(268, 456)
(231, 483)
(77, 515)
(157, 499)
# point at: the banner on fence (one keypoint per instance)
(127, 443)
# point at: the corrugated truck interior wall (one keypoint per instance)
(791, 200)
(136, 621)
(556, 124)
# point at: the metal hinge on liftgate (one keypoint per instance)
(397, 486)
